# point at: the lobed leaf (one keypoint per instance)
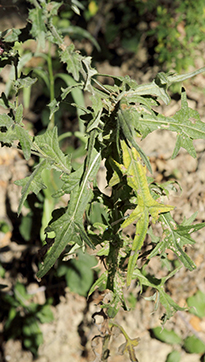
(136, 178)
(48, 147)
(32, 183)
(186, 123)
(176, 236)
(69, 227)
(129, 132)
(72, 59)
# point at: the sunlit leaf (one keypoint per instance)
(135, 172)
(72, 60)
(69, 227)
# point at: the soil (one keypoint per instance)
(68, 337)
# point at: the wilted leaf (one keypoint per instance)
(129, 345)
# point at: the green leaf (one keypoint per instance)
(54, 107)
(176, 236)
(166, 336)
(89, 73)
(73, 60)
(194, 345)
(158, 90)
(174, 356)
(38, 20)
(158, 284)
(100, 283)
(11, 35)
(133, 168)
(48, 146)
(32, 183)
(45, 315)
(32, 335)
(159, 85)
(20, 294)
(79, 275)
(70, 181)
(186, 123)
(25, 140)
(180, 78)
(6, 121)
(15, 131)
(76, 91)
(129, 132)
(197, 301)
(24, 82)
(189, 127)
(69, 227)
(19, 114)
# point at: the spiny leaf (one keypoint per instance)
(48, 146)
(90, 72)
(159, 85)
(15, 132)
(69, 182)
(100, 283)
(186, 123)
(129, 131)
(176, 236)
(69, 227)
(136, 178)
(175, 78)
(38, 20)
(24, 139)
(158, 284)
(6, 120)
(32, 183)
(73, 59)
(24, 82)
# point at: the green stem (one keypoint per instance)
(52, 90)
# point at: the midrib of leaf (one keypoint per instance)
(84, 184)
(64, 227)
(176, 247)
(175, 124)
(168, 226)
